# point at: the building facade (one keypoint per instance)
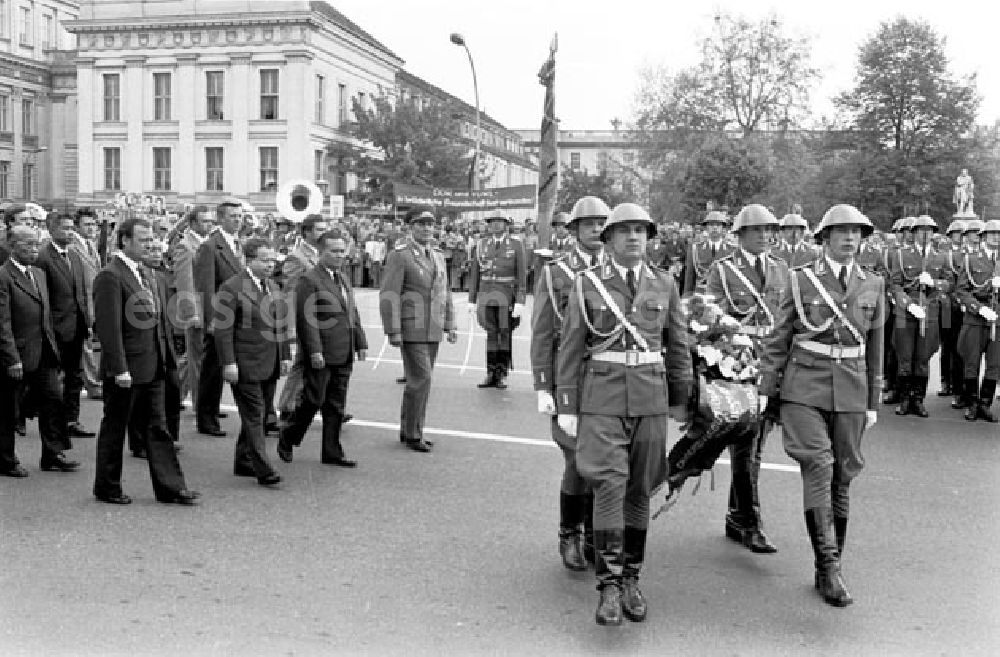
(195, 100)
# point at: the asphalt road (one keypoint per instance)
(454, 552)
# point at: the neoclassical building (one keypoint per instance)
(194, 100)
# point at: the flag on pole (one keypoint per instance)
(548, 164)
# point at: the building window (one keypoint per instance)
(161, 96)
(574, 161)
(25, 26)
(213, 169)
(112, 97)
(268, 168)
(318, 165)
(602, 161)
(161, 169)
(4, 22)
(362, 101)
(28, 181)
(27, 116)
(4, 179)
(48, 35)
(320, 100)
(214, 85)
(341, 104)
(269, 94)
(112, 169)
(4, 114)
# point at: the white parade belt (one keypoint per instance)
(631, 358)
(756, 331)
(835, 351)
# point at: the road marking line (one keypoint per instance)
(449, 366)
(385, 343)
(501, 438)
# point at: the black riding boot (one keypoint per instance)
(503, 366)
(903, 386)
(986, 394)
(608, 549)
(972, 407)
(917, 393)
(571, 530)
(491, 371)
(829, 581)
(588, 527)
(633, 554)
(966, 396)
(840, 529)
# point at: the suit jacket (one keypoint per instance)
(214, 264)
(128, 325)
(740, 302)
(506, 260)
(699, 262)
(251, 328)
(71, 314)
(25, 319)
(91, 259)
(415, 299)
(161, 280)
(189, 303)
(847, 385)
(326, 321)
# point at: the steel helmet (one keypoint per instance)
(589, 206)
(844, 215)
(974, 226)
(895, 226)
(716, 217)
(925, 221)
(794, 221)
(991, 226)
(626, 212)
(560, 219)
(498, 215)
(906, 223)
(754, 215)
(957, 225)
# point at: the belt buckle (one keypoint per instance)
(631, 357)
(837, 352)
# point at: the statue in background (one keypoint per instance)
(964, 194)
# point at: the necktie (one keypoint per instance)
(31, 279)
(843, 278)
(759, 266)
(630, 281)
(714, 251)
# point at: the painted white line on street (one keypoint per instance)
(473, 335)
(501, 438)
(385, 343)
(449, 366)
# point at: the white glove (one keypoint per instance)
(546, 404)
(871, 417)
(988, 314)
(761, 403)
(925, 279)
(472, 308)
(518, 310)
(996, 282)
(916, 311)
(567, 423)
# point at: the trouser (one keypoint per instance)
(209, 387)
(194, 349)
(250, 451)
(494, 315)
(572, 483)
(171, 413)
(325, 391)
(43, 384)
(375, 270)
(974, 343)
(291, 393)
(888, 353)
(827, 447)
(90, 364)
(418, 366)
(744, 497)
(955, 368)
(913, 350)
(71, 363)
(140, 406)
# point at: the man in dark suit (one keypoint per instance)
(29, 356)
(330, 335)
(417, 311)
(72, 314)
(85, 245)
(133, 356)
(251, 336)
(218, 259)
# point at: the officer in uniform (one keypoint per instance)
(562, 241)
(623, 361)
(979, 292)
(496, 294)
(551, 298)
(893, 390)
(747, 284)
(703, 254)
(794, 250)
(919, 277)
(824, 360)
(971, 239)
(951, 315)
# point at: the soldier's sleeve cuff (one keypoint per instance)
(566, 400)
(678, 393)
(543, 379)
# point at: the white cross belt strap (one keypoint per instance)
(548, 284)
(753, 291)
(639, 340)
(833, 306)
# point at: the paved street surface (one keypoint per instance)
(454, 552)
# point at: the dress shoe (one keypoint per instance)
(418, 445)
(121, 498)
(342, 462)
(501, 383)
(633, 602)
(17, 472)
(983, 412)
(271, 427)
(222, 416)
(489, 382)
(404, 440)
(284, 451)
(917, 408)
(139, 453)
(960, 403)
(245, 471)
(401, 379)
(946, 390)
(211, 432)
(756, 541)
(75, 430)
(183, 497)
(20, 429)
(269, 480)
(59, 463)
(571, 549)
(971, 412)
(609, 606)
(347, 418)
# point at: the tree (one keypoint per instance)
(575, 184)
(726, 172)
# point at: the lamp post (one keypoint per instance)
(458, 40)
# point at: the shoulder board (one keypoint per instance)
(803, 266)
(728, 256)
(400, 247)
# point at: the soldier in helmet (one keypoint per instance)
(824, 361)
(703, 254)
(748, 285)
(551, 298)
(893, 391)
(951, 315)
(919, 277)
(793, 249)
(979, 292)
(562, 240)
(623, 366)
(496, 294)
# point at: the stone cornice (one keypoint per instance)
(84, 26)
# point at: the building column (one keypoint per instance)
(188, 157)
(240, 158)
(15, 181)
(136, 169)
(87, 159)
(296, 105)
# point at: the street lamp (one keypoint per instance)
(457, 39)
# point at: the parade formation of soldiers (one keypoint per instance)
(209, 303)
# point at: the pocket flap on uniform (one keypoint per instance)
(600, 368)
(804, 358)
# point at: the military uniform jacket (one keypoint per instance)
(499, 267)
(846, 385)
(905, 267)
(562, 246)
(699, 262)
(736, 299)
(415, 299)
(870, 257)
(551, 298)
(954, 257)
(584, 385)
(796, 256)
(975, 285)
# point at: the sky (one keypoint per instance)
(602, 46)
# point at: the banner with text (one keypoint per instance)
(464, 200)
